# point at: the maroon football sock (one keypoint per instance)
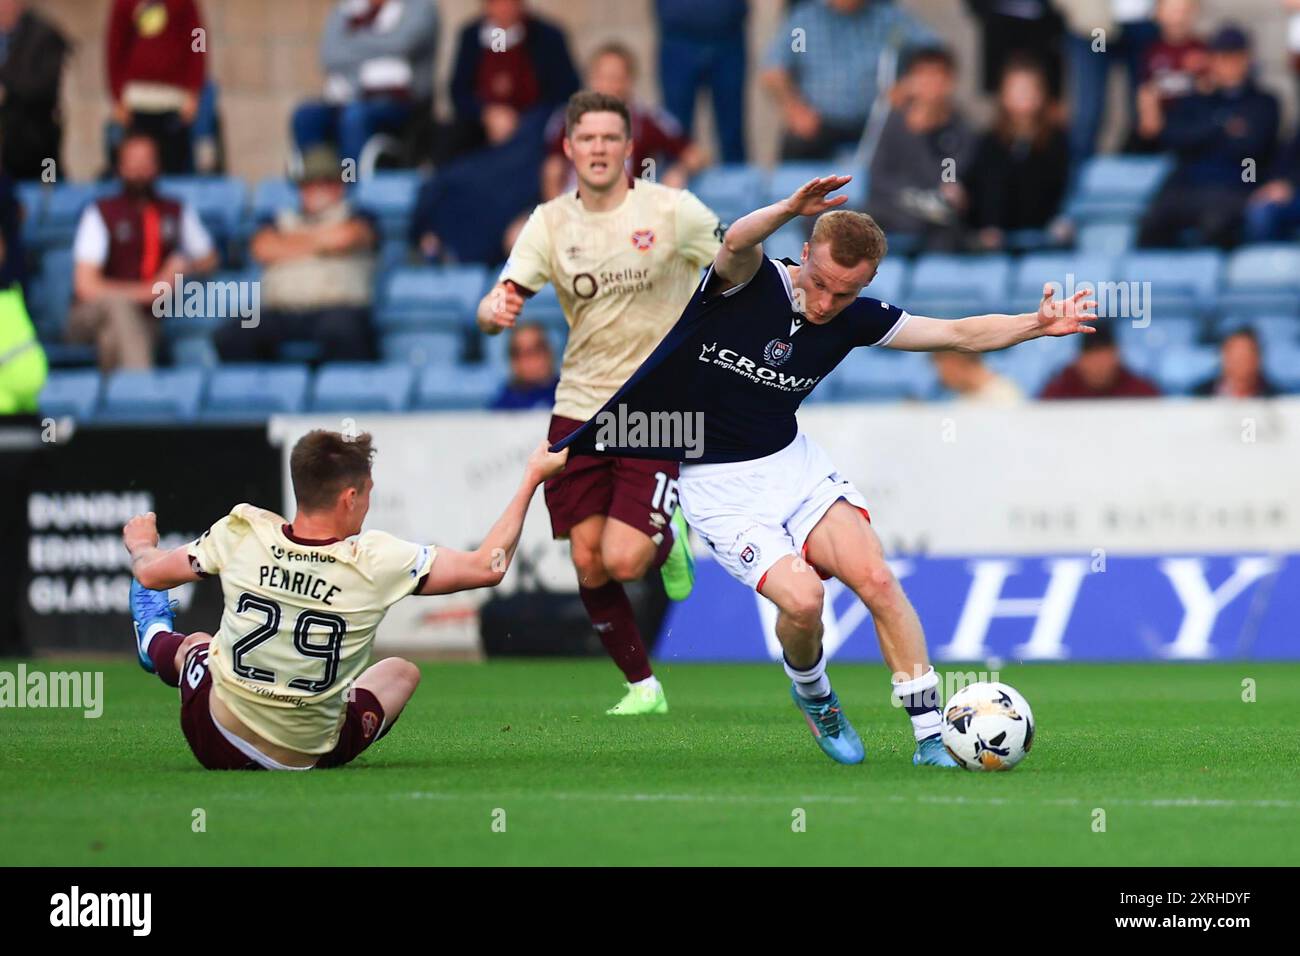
(162, 651)
(611, 615)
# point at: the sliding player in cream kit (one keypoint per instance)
(285, 683)
(624, 255)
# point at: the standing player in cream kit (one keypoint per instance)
(284, 684)
(625, 257)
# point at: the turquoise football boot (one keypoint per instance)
(830, 728)
(931, 752)
(148, 608)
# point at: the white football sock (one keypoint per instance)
(812, 683)
(920, 697)
(651, 683)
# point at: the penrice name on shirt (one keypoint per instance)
(301, 583)
(733, 361)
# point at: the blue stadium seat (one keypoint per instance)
(390, 197)
(787, 242)
(440, 389)
(980, 282)
(1274, 331)
(271, 195)
(1064, 268)
(1282, 367)
(1107, 238)
(891, 281)
(1183, 283)
(70, 392)
(1117, 187)
(253, 391)
(1031, 364)
(444, 348)
(51, 293)
(31, 197)
(220, 201)
(884, 374)
(63, 208)
(1179, 370)
(1263, 278)
(362, 387)
(545, 308)
(429, 297)
(787, 177)
(1164, 333)
(730, 191)
(496, 348)
(153, 395)
(197, 351)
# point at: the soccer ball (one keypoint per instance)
(988, 726)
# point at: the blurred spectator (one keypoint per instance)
(377, 56)
(822, 69)
(318, 268)
(22, 360)
(1099, 372)
(1240, 375)
(1169, 69)
(659, 147)
(532, 371)
(509, 64)
(1018, 29)
(924, 145)
(966, 375)
(1273, 210)
(1292, 8)
(1018, 178)
(156, 54)
(125, 245)
(1212, 134)
(32, 52)
(12, 265)
(703, 44)
(1088, 58)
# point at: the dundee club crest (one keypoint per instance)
(777, 352)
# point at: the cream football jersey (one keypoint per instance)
(299, 620)
(623, 278)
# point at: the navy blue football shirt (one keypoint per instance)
(739, 363)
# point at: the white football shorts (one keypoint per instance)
(751, 514)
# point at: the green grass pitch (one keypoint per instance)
(1186, 772)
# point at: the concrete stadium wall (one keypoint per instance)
(264, 56)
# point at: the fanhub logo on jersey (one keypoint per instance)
(281, 554)
(776, 353)
(625, 428)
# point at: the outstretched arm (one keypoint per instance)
(742, 247)
(988, 333)
(486, 566)
(154, 568)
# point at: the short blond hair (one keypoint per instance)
(853, 236)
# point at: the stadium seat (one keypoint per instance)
(1069, 270)
(390, 197)
(253, 391)
(70, 392)
(1183, 283)
(730, 191)
(220, 201)
(196, 351)
(975, 283)
(1274, 331)
(545, 308)
(1107, 238)
(270, 196)
(362, 387)
(63, 208)
(1117, 187)
(31, 197)
(1164, 333)
(1282, 367)
(891, 281)
(875, 374)
(443, 347)
(429, 297)
(1031, 364)
(152, 395)
(1179, 370)
(441, 389)
(51, 293)
(787, 242)
(495, 349)
(1262, 278)
(787, 177)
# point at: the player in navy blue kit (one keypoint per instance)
(756, 338)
